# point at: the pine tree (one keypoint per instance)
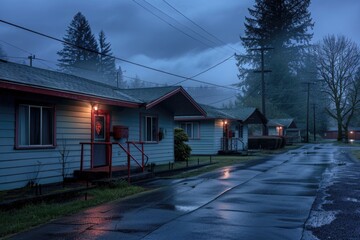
(80, 55)
(106, 61)
(281, 28)
(120, 82)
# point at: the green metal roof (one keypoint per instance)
(52, 80)
(25, 78)
(249, 115)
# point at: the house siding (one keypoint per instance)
(159, 152)
(18, 167)
(22, 166)
(272, 131)
(206, 143)
(211, 133)
(218, 134)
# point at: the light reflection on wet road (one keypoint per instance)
(270, 200)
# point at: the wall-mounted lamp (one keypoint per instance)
(95, 107)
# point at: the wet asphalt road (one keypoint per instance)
(269, 200)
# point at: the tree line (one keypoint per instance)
(282, 68)
(84, 55)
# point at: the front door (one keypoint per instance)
(100, 137)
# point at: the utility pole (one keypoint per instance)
(307, 110)
(262, 49)
(31, 57)
(263, 90)
(314, 122)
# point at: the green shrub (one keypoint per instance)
(182, 150)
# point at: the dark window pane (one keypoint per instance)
(34, 126)
(148, 128)
(23, 131)
(154, 129)
(47, 126)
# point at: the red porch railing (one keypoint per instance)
(126, 150)
(231, 144)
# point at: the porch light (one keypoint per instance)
(95, 106)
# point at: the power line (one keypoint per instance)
(206, 70)
(114, 57)
(16, 47)
(193, 22)
(198, 34)
(171, 25)
(124, 60)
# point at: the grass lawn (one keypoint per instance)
(16, 220)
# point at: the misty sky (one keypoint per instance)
(137, 35)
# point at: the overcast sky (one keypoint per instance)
(172, 43)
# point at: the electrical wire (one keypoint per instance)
(12, 45)
(186, 27)
(114, 57)
(203, 29)
(204, 71)
(171, 25)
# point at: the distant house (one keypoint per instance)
(284, 127)
(221, 130)
(332, 133)
(46, 115)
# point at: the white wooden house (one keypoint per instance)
(221, 130)
(49, 118)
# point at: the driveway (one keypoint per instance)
(269, 200)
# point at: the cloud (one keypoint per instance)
(188, 65)
(139, 36)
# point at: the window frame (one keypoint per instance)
(144, 128)
(191, 124)
(18, 130)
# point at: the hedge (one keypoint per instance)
(266, 142)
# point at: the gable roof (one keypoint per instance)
(31, 79)
(283, 122)
(173, 98)
(214, 113)
(247, 115)
(41, 81)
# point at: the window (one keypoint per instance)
(35, 126)
(241, 131)
(192, 129)
(150, 129)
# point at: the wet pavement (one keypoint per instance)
(278, 198)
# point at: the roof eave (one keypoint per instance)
(65, 94)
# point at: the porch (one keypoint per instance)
(232, 145)
(133, 164)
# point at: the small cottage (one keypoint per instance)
(53, 124)
(285, 127)
(221, 130)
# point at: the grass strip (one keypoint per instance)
(16, 220)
